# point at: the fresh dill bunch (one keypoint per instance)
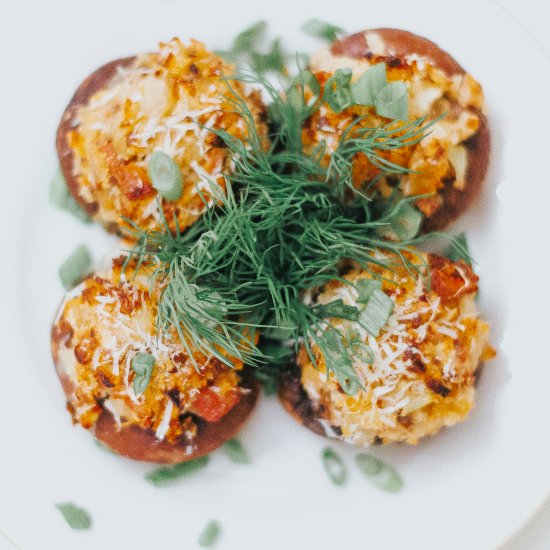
(283, 226)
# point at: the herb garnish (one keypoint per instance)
(77, 518)
(334, 466)
(75, 267)
(236, 452)
(166, 475)
(284, 225)
(459, 250)
(210, 534)
(321, 29)
(249, 50)
(142, 365)
(382, 475)
(61, 197)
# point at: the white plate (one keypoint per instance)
(469, 487)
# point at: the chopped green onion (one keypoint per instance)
(365, 288)
(249, 38)
(274, 60)
(75, 267)
(392, 101)
(165, 175)
(365, 89)
(359, 348)
(376, 312)
(227, 55)
(334, 466)
(321, 29)
(337, 309)
(338, 360)
(142, 365)
(337, 90)
(61, 198)
(236, 451)
(77, 518)
(307, 78)
(210, 534)
(459, 249)
(405, 225)
(166, 475)
(380, 474)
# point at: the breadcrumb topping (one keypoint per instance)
(425, 358)
(101, 326)
(166, 101)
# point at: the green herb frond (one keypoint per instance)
(282, 227)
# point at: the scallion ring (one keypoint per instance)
(365, 89)
(376, 312)
(210, 534)
(75, 267)
(334, 466)
(142, 365)
(337, 90)
(165, 175)
(236, 451)
(392, 101)
(406, 224)
(365, 288)
(166, 475)
(380, 474)
(76, 517)
(321, 29)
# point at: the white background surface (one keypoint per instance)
(534, 19)
(489, 474)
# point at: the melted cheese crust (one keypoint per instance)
(426, 357)
(164, 101)
(102, 324)
(440, 158)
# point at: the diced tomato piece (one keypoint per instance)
(451, 280)
(212, 406)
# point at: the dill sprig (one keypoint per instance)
(284, 226)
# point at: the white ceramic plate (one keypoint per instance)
(469, 487)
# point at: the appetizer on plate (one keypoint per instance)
(139, 390)
(135, 141)
(447, 166)
(415, 373)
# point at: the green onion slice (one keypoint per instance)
(338, 360)
(249, 38)
(365, 89)
(274, 60)
(165, 175)
(321, 29)
(61, 198)
(227, 55)
(334, 466)
(337, 90)
(392, 101)
(210, 534)
(459, 249)
(307, 78)
(359, 348)
(142, 365)
(337, 309)
(236, 451)
(407, 221)
(75, 267)
(376, 312)
(166, 475)
(379, 473)
(365, 288)
(77, 518)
